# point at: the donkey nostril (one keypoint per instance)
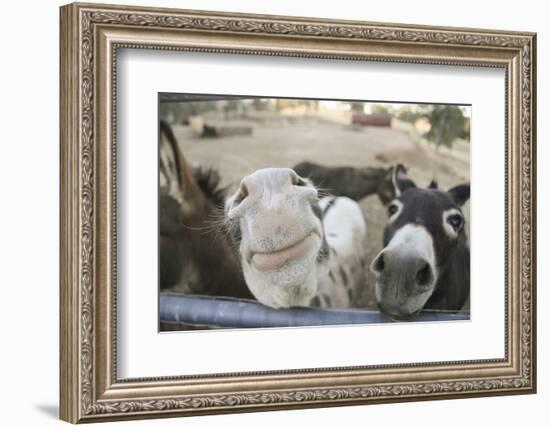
(424, 275)
(242, 194)
(379, 264)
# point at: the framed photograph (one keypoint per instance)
(269, 222)
(266, 212)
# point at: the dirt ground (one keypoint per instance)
(284, 144)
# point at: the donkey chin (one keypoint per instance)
(285, 276)
(407, 308)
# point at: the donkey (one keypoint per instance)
(192, 258)
(425, 262)
(295, 248)
(347, 181)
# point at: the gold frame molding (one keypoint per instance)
(90, 37)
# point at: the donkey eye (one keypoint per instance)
(455, 221)
(394, 210)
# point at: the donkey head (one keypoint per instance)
(425, 259)
(387, 186)
(275, 221)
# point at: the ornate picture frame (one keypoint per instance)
(90, 37)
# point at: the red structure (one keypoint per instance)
(375, 119)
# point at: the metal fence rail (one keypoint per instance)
(219, 312)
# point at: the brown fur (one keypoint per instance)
(355, 183)
(196, 256)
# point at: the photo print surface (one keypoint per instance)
(278, 212)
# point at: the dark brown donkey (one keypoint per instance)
(196, 254)
(348, 181)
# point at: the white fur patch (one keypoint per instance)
(395, 186)
(346, 234)
(399, 205)
(448, 228)
(414, 239)
(396, 175)
(345, 227)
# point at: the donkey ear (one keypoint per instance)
(394, 182)
(400, 181)
(460, 194)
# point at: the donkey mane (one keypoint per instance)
(209, 181)
(207, 178)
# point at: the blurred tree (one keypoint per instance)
(260, 104)
(232, 105)
(313, 105)
(447, 123)
(466, 133)
(408, 115)
(296, 104)
(281, 103)
(357, 107)
(380, 109)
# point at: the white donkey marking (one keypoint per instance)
(346, 235)
(290, 254)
